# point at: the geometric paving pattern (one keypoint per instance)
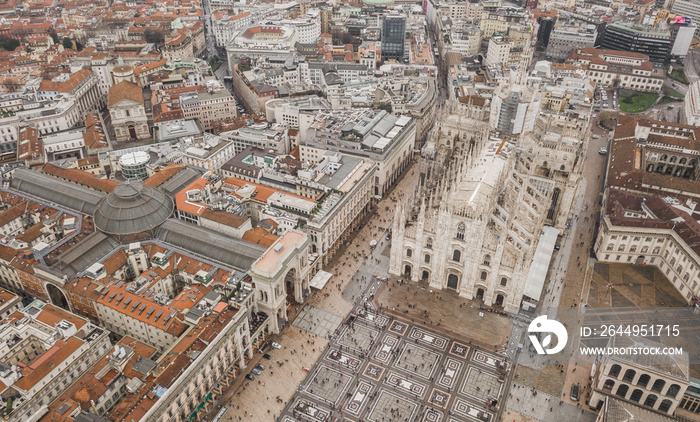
(381, 368)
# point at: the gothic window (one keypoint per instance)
(504, 281)
(427, 258)
(483, 275)
(409, 252)
(429, 243)
(487, 260)
(456, 255)
(460, 231)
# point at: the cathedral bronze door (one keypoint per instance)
(452, 281)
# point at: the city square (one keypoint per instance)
(399, 370)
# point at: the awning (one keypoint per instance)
(320, 280)
(540, 263)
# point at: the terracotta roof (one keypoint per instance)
(32, 233)
(115, 262)
(12, 214)
(162, 176)
(52, 315)
(627, 167)
(141, 309)
(29, 144)
(125, 90)
(260, 236)
(473, 100)
(224, 217)
(183, 204)
(665, 216)
(149, 66)
(263, 192)
(81, 177)
(67, 86)
(33, 376)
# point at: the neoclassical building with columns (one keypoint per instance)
(476, 219)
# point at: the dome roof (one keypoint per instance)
(132, 208)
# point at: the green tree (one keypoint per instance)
(154, 37)
(67, 43)
(54, 37)
(7, 43)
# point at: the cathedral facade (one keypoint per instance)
(476, 218)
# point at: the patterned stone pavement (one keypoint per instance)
(382, 369)
(536, 405)
(317, 321)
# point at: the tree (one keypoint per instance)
(154, 37)
(67, 43)
(54, 37)
(7, 43)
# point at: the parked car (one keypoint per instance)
(260, 366)
(250, 377)
(266, 356)
(603, 151)
(256, 371)
(276, 345)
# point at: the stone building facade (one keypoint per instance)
(476, 218)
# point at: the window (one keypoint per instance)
(673, 390)
(622, 390)
(651, 400)
(483, 275)
(409, 253)
(456, 255)
(665, 405)
(427, 258)
(504, 281)
(636, 395)
(615, 370)
(629, 375)
(487, 260)
(658, 385)
(460, 231)
(429, 243)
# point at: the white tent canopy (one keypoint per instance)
(320, 280)
(540, 263)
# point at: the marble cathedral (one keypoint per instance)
(476, 218)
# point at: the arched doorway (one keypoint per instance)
(499, 300)
(289, 281)
(56, 296)
(132, 132)
(426, 275)
(452, 281)
(407, 271)
(479, 293)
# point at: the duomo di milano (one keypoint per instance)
(483, 202)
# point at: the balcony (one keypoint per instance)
(256, 320)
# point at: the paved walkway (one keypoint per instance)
(251, 400)
(543, 407)
(257, 400)
(317, 321)
(444, 310)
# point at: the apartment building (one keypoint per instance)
(620, 69)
